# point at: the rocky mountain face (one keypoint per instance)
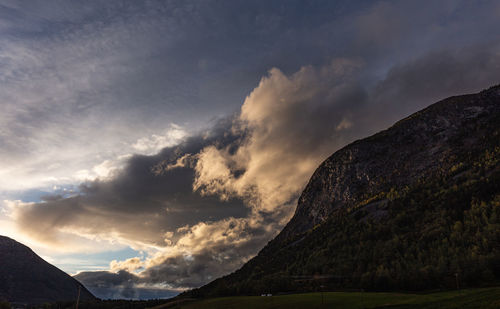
(416, 147)
(27, 278)
(413, 207)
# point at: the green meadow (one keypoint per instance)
(470, 298)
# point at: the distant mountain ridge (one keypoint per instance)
(27, 278)
(416, 206)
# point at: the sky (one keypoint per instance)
(149, 147)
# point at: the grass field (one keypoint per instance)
(472, 298)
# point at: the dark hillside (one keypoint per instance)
(27, 278)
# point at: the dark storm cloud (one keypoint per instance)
(412, 85)
(138, 204)
(104, 278)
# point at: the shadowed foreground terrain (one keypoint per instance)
(473, 298)
(488, 298)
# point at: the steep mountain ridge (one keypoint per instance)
(412, 207)
(409, 150)
(27, 278)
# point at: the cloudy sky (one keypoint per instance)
(152, 146)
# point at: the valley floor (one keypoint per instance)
(470, 298)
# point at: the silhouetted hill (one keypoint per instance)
(414, 207)
(27, 278)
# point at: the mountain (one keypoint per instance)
(414, 207)
(27, 278)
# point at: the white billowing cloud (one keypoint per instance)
(104, 169)
(130, 265)
(206, 250)
(148, 145)
(154, 143)
(291, 124)
(213, 174)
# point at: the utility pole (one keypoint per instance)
(78, 298)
